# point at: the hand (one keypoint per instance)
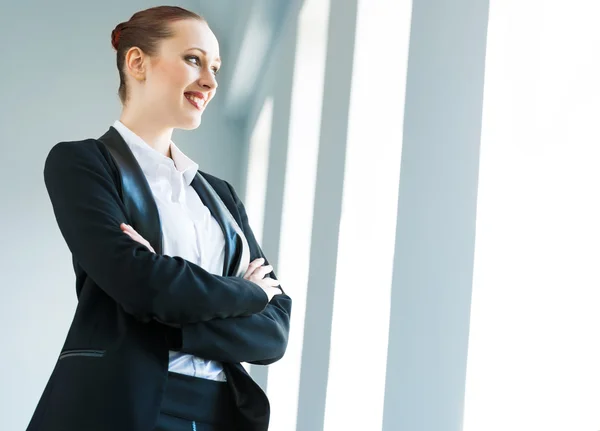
(136, 236)
(256, 273)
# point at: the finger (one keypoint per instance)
(130, 228)
(134, 236)
(256, 263)
(271, 281)
(137, 238)
(253, 265)
(262, 271)
(133, 233)
(256, 272)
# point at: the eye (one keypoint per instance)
(215, 71)
(196, 60)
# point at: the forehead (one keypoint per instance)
(192, 33)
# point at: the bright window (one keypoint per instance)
(360, 326)
(534, 355)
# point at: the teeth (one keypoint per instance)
(195, 99)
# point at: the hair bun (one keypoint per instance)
(115, 36)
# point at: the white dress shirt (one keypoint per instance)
(188, 228)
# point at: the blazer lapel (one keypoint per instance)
(143, 212)
(135, 190)
(234, 247)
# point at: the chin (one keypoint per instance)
(191, 123)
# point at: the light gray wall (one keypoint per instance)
(435, 236)
(59, 82)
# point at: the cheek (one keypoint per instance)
(173, 78)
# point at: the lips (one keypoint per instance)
(196, 99)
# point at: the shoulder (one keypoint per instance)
(85, 155)
(91, 148)
(87, 148)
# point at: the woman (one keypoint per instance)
(173, 289)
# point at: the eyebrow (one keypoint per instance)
(218, 59)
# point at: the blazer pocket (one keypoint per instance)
(82, 352)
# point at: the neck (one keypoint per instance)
(150, 131)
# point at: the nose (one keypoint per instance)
(208, 80)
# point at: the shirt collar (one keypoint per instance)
(149, 159)
(184, 164)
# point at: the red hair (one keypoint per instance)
(145, 29)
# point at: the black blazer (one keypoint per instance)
(134, 306)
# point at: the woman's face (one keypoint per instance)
(180, 80)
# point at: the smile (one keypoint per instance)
(197, 102)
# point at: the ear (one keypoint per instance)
(135, 63)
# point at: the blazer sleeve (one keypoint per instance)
(88, 208)
(258, 339)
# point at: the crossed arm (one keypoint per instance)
(260, 338)
(223, 318)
